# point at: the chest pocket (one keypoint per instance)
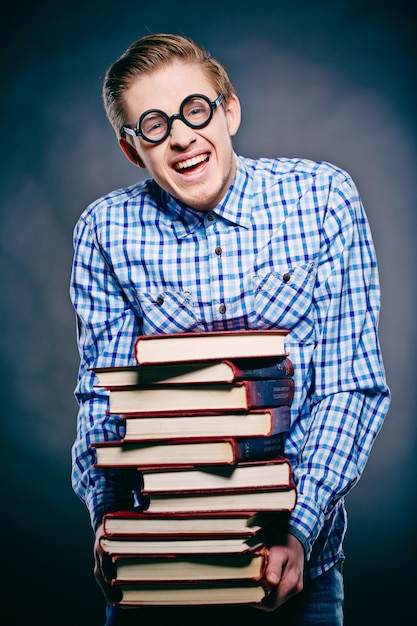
(167, 312)
(284, 298)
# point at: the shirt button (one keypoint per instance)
(159, 301)
(210, 217)
(218, 250)
(222, 308)
(286, 277)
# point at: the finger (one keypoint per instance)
(289, 586)
(269, 603)
(111, 592)
(274, 570)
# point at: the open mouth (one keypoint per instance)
(191, 164)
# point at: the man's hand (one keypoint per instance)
(284, 572)
(103, 569)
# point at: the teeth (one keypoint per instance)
(191, 162)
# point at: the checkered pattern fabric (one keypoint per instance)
(289, 246)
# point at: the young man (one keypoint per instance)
(214, 241)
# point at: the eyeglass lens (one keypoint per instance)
(195, 112)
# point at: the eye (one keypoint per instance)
(153, 124)
(196, 110)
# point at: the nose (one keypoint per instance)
(181, 135)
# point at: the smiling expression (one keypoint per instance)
(196, 166)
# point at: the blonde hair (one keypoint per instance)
(150, 53)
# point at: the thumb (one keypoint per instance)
(274, 569)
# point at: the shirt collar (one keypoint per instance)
(236, 207)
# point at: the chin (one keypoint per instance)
(204, 207)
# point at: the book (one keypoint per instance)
(131, 524)
(128, 524)
(201, 567)
(240, 396)
(217, 371)
(164, 546)
(196, 593)
(251, 475)
(258, 422)
(202, 346)
(271, 498)
(186, 452)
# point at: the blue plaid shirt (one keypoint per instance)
(289, 246)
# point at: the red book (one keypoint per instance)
(241, 396)
(133, 524)
(187, 452)
(201, 346)
(202, 567)
(257, 423)
(263, 499)
(215, 371)
(170, 546)
(249, 475)
(204, 593)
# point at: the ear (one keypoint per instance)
(130, 152)
(233, 114)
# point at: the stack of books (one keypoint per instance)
(205, 420)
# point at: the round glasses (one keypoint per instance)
(154, 125)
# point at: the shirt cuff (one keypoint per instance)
(113, 491)
(306, 522)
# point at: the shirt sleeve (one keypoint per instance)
(349, 397)
(106, 331)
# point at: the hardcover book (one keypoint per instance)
(168, 546)
(154, 454)
(269, 498)
(215, 371)
(256, 423)
(131, 524)
(241, 396)
(250, 475)
(195, 593)
(210, 345)
(214, 567)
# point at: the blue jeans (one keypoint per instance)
(320, 602)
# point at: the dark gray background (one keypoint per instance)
(332, 81)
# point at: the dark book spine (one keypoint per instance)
(250, 370)
(281, 419)
(270, 393)
(260, 448)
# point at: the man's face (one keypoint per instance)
(195, 166)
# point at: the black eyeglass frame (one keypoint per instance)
(137, 132)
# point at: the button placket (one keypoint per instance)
(215, 263)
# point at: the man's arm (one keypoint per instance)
(350, 397)
(107, 328)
